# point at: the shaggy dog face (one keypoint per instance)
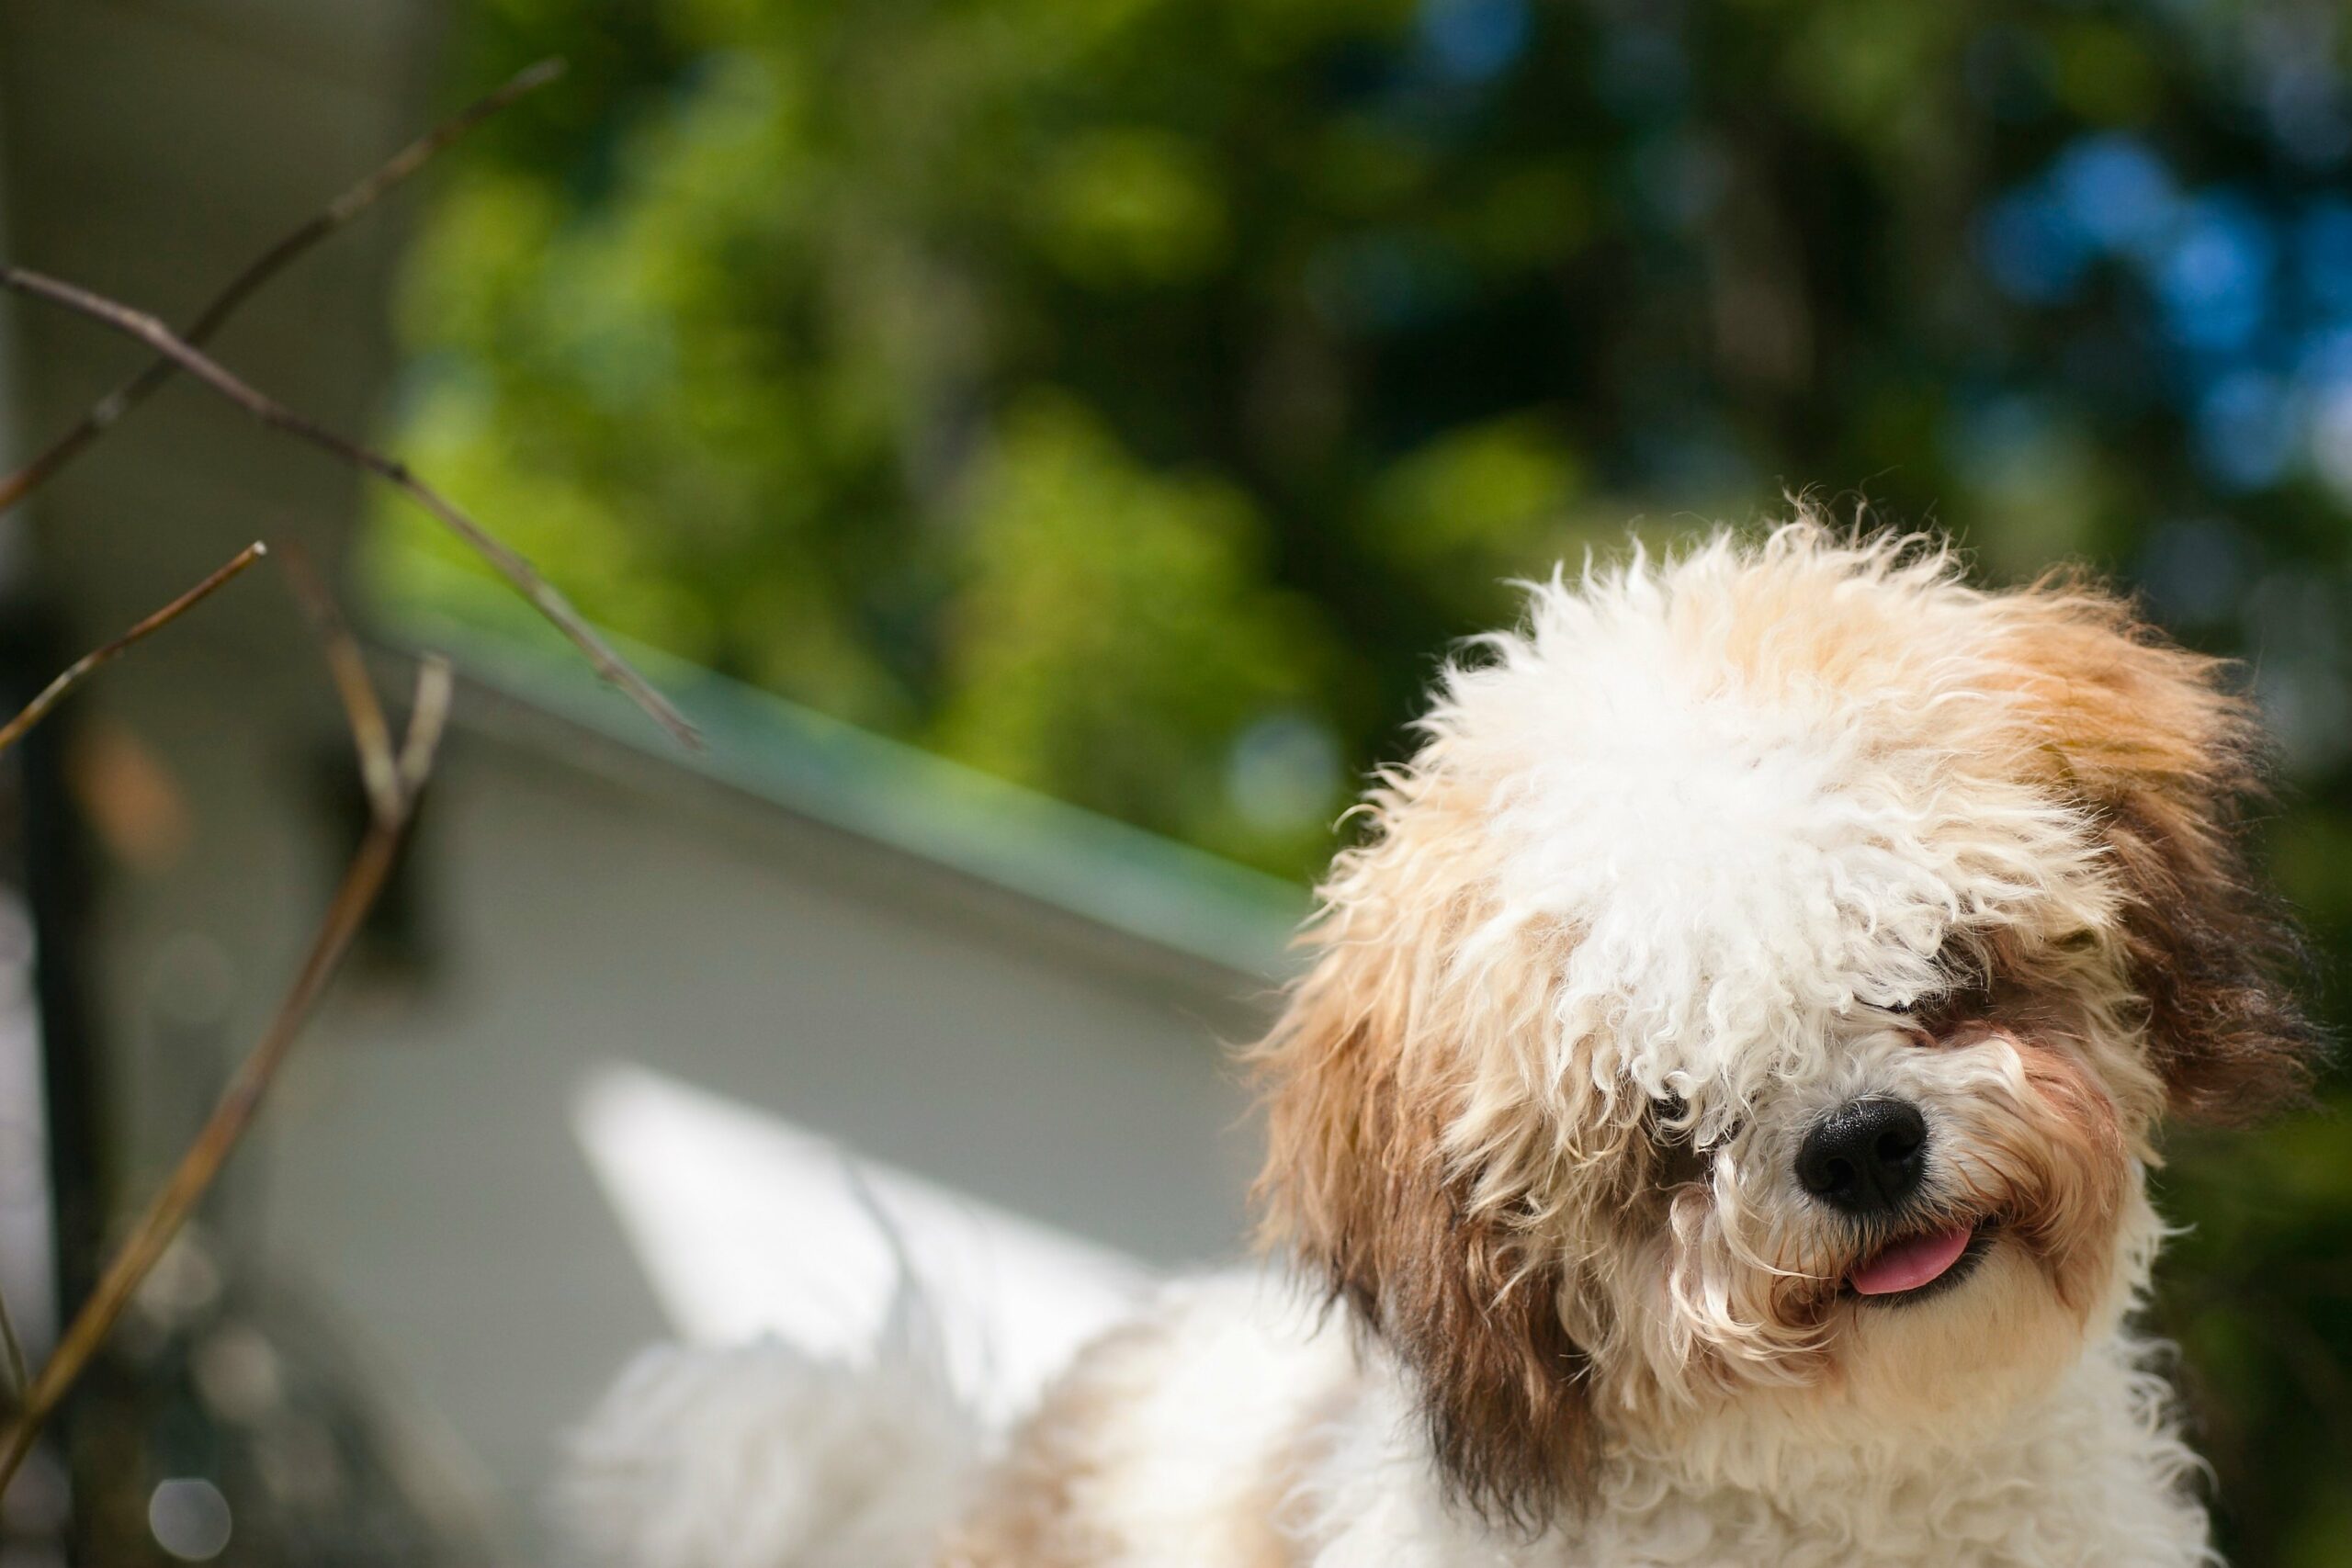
(1743, 1029)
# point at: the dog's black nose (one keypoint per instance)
(1865, 1158)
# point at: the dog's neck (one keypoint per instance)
(2089, 1471)
(1791, 1450)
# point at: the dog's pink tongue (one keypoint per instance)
(1908, 1265)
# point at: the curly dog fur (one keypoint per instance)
(1715, 1126)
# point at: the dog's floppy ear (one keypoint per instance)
(2151, 738)
(1358, 1186)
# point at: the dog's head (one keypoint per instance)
(1754, 1002)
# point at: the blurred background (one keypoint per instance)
(1049, 446)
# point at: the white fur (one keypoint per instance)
(761, 1457)
(756, 1459)
(2083, 1472)
(1671, 859)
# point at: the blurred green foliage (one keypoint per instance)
(1134, 398)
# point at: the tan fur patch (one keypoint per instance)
(1048, 1502)
(2075, 1188)
(2146, 735)
(1357, 1182)
(1033, 1511)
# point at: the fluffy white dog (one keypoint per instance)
(1714, 1130)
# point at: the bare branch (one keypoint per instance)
(18, 1379)
(363, 880)
(394, 776)
(103, 414)
(37, 709)
(517, 571)
(370, 734)
(426, 717)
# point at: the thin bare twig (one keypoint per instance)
(18, 1379)
(37, 709)
(363, 880)
(517, 571)
(436, 683)
(406, 769)
(19, 1382)
(395, 777)
(130, 394)
(379, 772)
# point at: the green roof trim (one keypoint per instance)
(1102, 870)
